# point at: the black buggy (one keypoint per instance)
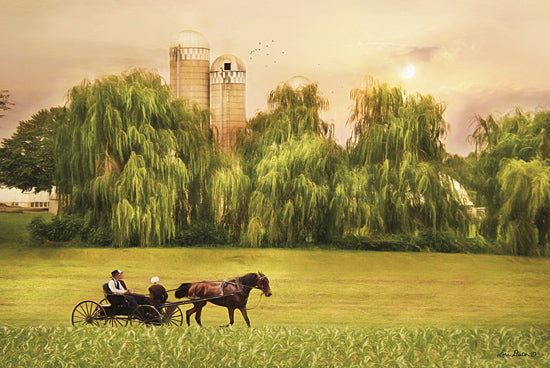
(114, 310)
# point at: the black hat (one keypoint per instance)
(116, 273)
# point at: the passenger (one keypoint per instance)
(118, 287)
(157, 293)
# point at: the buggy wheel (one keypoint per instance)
(118, 321)
(172, 315)
(146, 315)
(88, 313)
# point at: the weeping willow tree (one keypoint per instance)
(298, 195)
(525, 215)
(196, 147)
(125, 157)
(396, 140)
(239, 186)
(230, 189)
(513, 179)
(291, 113)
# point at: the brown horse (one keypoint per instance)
(232, 294)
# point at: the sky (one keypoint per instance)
(477, 57)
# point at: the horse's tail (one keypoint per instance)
(183, 290)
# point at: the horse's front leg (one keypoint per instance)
(231, 312)
(245, 315)
(199, 307)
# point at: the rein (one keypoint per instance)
(257, 304)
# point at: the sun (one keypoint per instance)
(407, 71)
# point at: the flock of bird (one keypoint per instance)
(269, 50)
(266, 49)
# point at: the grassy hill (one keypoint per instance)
(41, 286)
(13, 227)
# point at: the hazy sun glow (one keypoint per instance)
(407, 71)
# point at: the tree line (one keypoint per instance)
(141, 168)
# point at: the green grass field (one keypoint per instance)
(41, 285)
(314, 291)
(13, 230)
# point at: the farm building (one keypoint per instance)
(15, 199)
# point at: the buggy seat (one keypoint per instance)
(117, 301)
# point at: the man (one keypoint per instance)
(157, 292)
(118, 287)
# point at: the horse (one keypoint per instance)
(232, 294)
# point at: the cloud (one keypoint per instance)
(421, 53)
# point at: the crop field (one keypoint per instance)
(273, 347)
(328, 309)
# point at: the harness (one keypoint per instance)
(223, 285)
(235, 282)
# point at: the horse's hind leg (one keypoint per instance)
(197, 308)
(245, 315)
(188, 314)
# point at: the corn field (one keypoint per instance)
(273, 347)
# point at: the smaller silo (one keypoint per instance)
(228, 99)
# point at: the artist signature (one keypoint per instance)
(516, 353)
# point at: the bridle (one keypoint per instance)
(258, 284)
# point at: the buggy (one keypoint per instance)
(114, 310)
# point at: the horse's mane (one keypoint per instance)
(248, 280)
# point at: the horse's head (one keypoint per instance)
(262, 283)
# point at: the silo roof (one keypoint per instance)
(298, 81)
(220, 63)
(189, 38)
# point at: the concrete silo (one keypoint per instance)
(228, 99)
(190, 67)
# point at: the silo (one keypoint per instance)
(190, 67)
(228, 99)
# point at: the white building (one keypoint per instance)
(16, 199)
